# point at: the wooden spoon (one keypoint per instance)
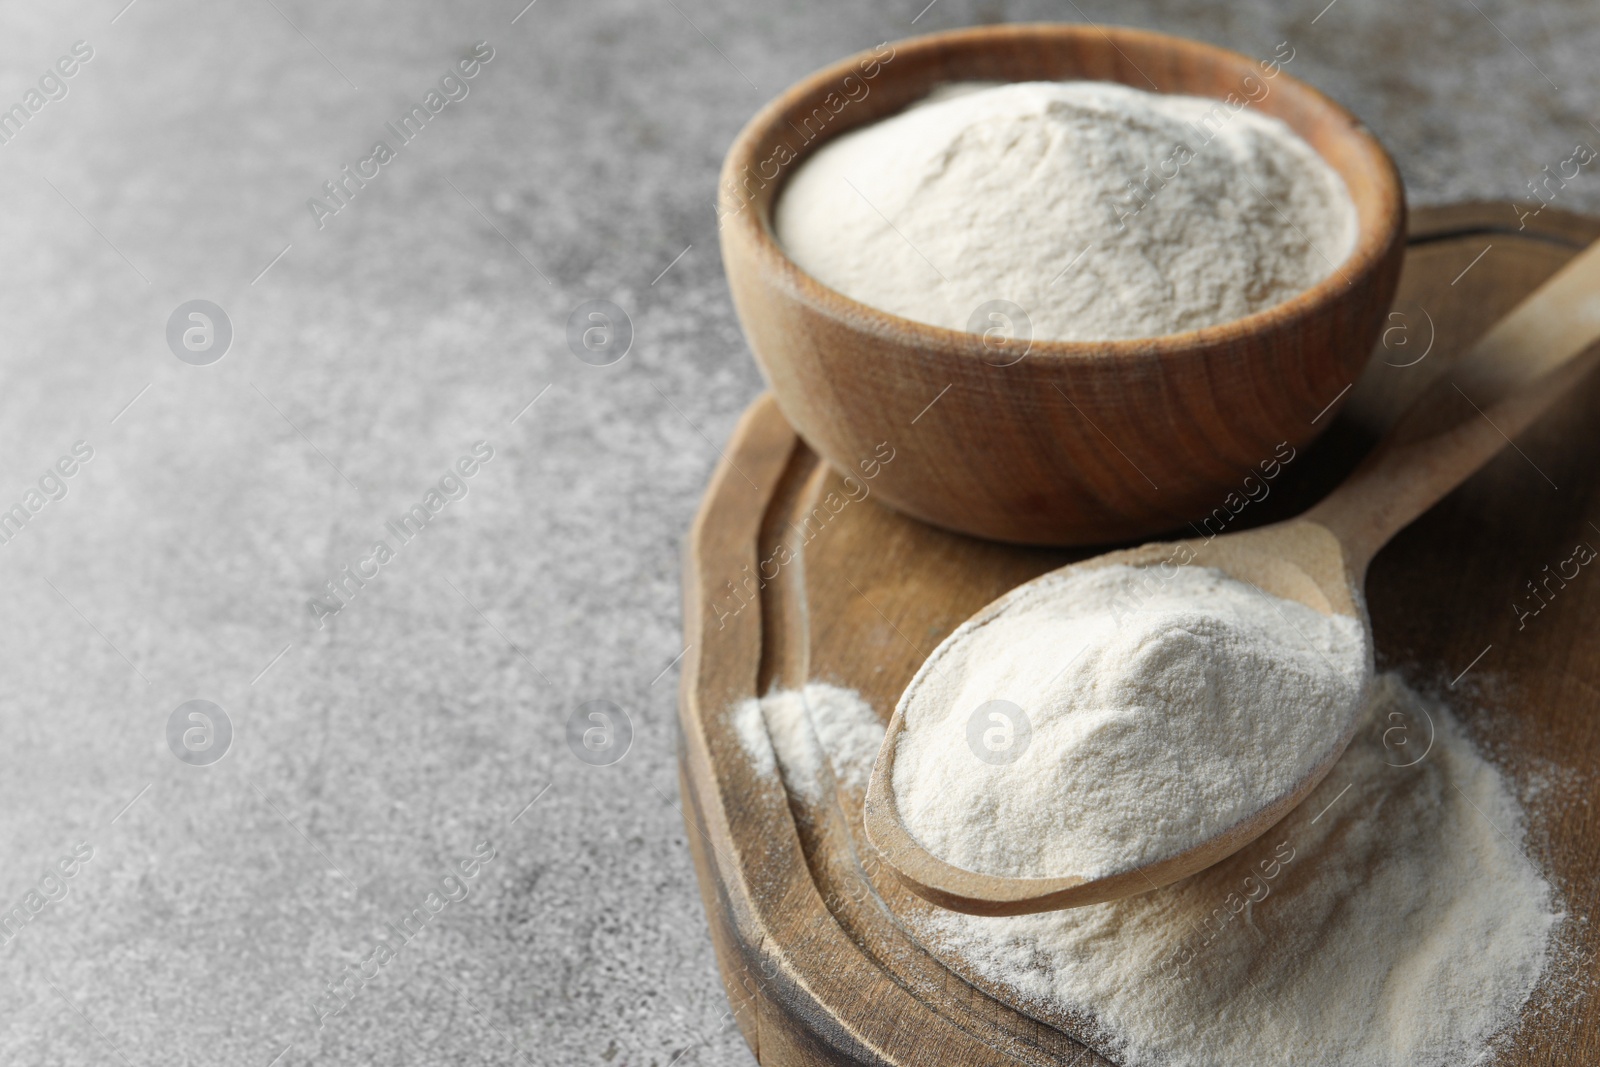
(1528, 361)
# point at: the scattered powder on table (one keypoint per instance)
(1104, 212)
(1392, 920)
(1147, 713)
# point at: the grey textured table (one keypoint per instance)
(253, 907)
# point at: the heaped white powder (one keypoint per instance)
(807, 728)
(1104, 212)
(1144, 714)
(1392, 920)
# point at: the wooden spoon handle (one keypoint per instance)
(1523, 365)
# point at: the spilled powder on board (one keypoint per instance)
(810, 727)
(1392, 920)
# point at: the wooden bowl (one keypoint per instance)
(1078, 442)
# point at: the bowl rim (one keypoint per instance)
(1375, 237)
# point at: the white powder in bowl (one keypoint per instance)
(1104, 212)
(1143, 715)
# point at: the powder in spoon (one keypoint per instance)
(1103, 211)
(1118, 716)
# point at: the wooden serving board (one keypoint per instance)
(818, 969)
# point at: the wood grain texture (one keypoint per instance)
(819, 970)
(1019, 452)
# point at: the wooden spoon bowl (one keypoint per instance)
(1300, 561)
(1076, 442)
